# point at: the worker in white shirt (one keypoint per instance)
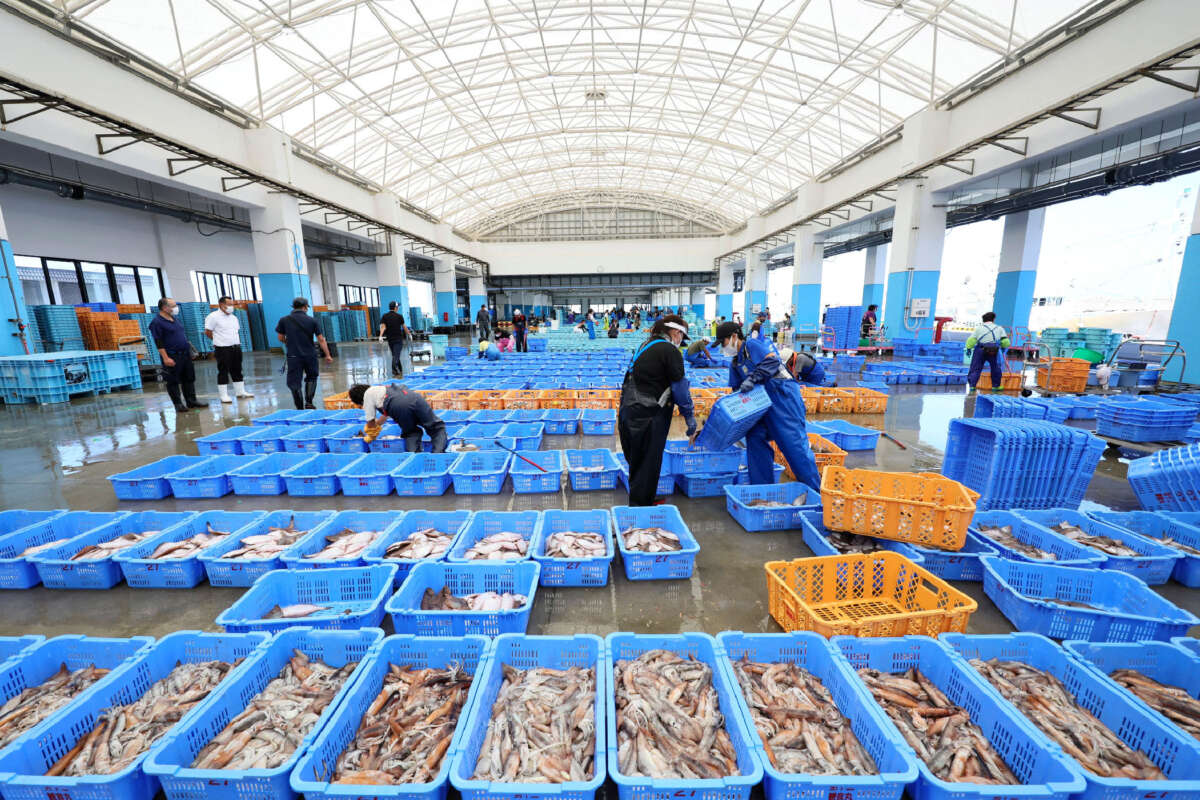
(984, 346)
(408, 410)
(222, 327)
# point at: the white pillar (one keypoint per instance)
(477, 293)
(698, 302)
(755, 290)
(808, 261)
(1020, 248)
(393, 278)
(874, 275)
(444, 293)
(915, 261)
(725, 290)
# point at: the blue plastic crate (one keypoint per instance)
(526, 435)
(582, 651)
(895, 761)
(424, 475)
(57, 570)
(731, 417)
(308, 439)
(371, 474)
(264, 475)
(705, 484)
(264, 440)
(1155, 564)
(178, 573)
(518, 577)
(816, 536)
(450, 522)
(282, 417)
(13, 647)
(487, 523)
(1132, 611)
(1067, 553)
(346, 439)
(481, 472)
(1154, 527)
(846, 435)
(574, 571)
(655, 566)
(351, 598)
(170, 761)
(150, 481)
(224, 443)
(598, 422)
(20, 530)
(703, 648)
(592, 470)
(314, 769)
(957, 565)
(207, 479)
(684, 459)
(1045, 773)
(666, 479)
(297, 556)
(528, 479)
(755, 519)
(318, 476)
(27, 762)
(223, 571)
(1173, 751)
(1187, 532)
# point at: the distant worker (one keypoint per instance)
(409, 410)
(868, 325)
(223, 327)
(519, 324)
(297, 331)
(590, 324)
(614, 329)
(697, 354)
(802, 366)
(984, 346)
(756, 363)
(176, 353)
(483, 323)
(488, 350)
(393, 330)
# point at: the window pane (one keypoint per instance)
(95, 277)
(33, 280)
(126, 280)
(151, 293)
(374, 298)
(65, 282)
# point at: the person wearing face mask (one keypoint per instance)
(176, 353)
(654, 385)
(223, 328)
(519, 325)
(756, 363)
(296, 332)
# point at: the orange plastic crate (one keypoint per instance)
(825, 453)
(437, 400)
(522, 398)
(920, 508)
(869, 401)
(838, 401)
(455, 400)
(1064, 375)
(597, 398)
(873, 594)
(1009, 381)
(482, 399)
(338, 402)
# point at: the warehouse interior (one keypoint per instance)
(942, 256)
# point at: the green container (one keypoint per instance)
(1090, 356)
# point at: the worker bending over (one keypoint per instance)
(488, 350)
(802, 366)
(407, 409)
(697, 353)
(757, 363)
(984, 347)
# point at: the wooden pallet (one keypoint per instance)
(1144, 447)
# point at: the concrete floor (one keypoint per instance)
(58, 456)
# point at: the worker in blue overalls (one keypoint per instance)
(802, 366)
(985, 346)
(591, 324)
(757, 363)
(488, 350)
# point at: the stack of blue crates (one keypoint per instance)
(152, 358)
(1168, 480)
(33, 333)
(258, 327)
(1020, 407)
(243, 319)
(59, 328)
(1144, 420)
(1021, 463)
(54, 377)
(192, 316)
(845, 322)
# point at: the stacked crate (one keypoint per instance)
(151, 358)
(191, 316)
(59, 328)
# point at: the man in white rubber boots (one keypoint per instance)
(223, 328)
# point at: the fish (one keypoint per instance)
(405, 733)
(941, 733)
(542, 728)
(764, 503)
(269, 544)
(103, 550)
(122, 734)
(572, 544)
(500, 546)
(1004, 536)
(853, 542)
(37, 548)
(462, 447)
(425, 543)
(266, 734)
(186, 548)
(650, 540)
(801, 728)
(1071, 603)
(669, 720)
(1175, 543)
(27, 708)
(1105, 544)
(346, 543)
(1042, 698)
(444, 600)
(1173, 702)
(296, 611)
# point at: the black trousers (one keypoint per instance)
(229, 364)
(397, 347)
(519, 337)
(184, 371)
(298, 366)
(643, 435)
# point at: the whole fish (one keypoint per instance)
(542, 728)
(123, 733)
(480, 601)
(186, 548)
(269, 544)
(571, 544)
(801, 729)
(37, 548)
(274, 724)
(346, 543)
(296, 611)
(99, 552)
(406, 731)
(1004, 535)
(764, 503)
(1042, 698)
(669, 720)
(498, 547)
(425, 543)
(1172, 702)
(1105, 544)
(650, 540)
(29, 707)
(1170, 542)
(853, 542)
(941, 733)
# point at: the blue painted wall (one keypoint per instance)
(725, 306)
(806, 298)
(752, 299)
(924, 284)
(397, 293)
(1014, 298)
(11, 307)
(698, 310)
(279, 289)
(1185, 322)
(873, 293)
(447, 309)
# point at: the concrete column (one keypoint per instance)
(807, 266)
(279, 255)
(13, 339)
(1185, 322)
(725, 291)
(698, 302)
(444, 294)
(393, 280)
(915, 261)
(874, 274)
(756, 285)
(327, 268)
(1019, 251)
(477, 293)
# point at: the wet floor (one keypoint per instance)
(59, 456)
